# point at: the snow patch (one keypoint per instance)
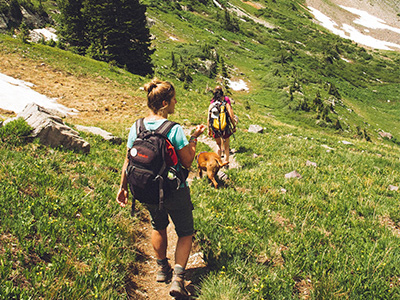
(239, 85)
(368, 20)
(15, 94)
(349, 32)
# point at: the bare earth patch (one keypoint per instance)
(99, 100)
(142, 278)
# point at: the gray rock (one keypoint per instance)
(206, 67)
(98, 131)
(51, 130)
(222, 175)
(310, 163)
(386, 135)
(293, 174)
(256, 129)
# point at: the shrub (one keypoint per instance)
(15, 132)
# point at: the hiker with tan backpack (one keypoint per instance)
(221, 121)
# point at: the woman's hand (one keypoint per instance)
(187, 153)
(199, 130)
(122, 197)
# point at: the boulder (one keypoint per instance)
(386, 135)
(207, 67)
(98, 131)
(3, 22)
(51, 130)
(255, 128)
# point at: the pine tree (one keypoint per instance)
(130, 41)
(174, 63)
(231, 23)
(73, 26)
(100, 15)
(108, 30)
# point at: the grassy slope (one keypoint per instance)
(264, 236)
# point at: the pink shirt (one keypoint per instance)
(227, 100)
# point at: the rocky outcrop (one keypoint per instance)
(386, 135)
(51, 130)
(12, 15)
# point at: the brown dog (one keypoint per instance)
(211, 163)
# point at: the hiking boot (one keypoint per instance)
(164, 274)
(178, 289)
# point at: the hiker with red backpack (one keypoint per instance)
(221, 121)
(155, 172)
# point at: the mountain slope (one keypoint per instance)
(284, 66)
(363, 16)
(330, 234)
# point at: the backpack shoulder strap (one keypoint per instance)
(140, 126)
(165, 127)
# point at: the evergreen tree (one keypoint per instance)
(317, 102)
(174, 64)
(334, 91)
(130, 42)
(109, 30)
(100, 15)
(72, 25)
(231, 23)
(15, 11)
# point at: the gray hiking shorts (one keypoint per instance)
(179, 207)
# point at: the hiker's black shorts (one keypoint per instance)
(179, 207)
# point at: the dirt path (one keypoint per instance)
(143, 274)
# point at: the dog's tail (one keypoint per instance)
(221, 164)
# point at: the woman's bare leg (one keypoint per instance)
(219, 144)
(226, 149)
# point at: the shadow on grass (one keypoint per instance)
(195, 276)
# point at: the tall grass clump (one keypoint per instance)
(15, 132)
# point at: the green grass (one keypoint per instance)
(327, 228)
(60, 239)
(332, 234)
